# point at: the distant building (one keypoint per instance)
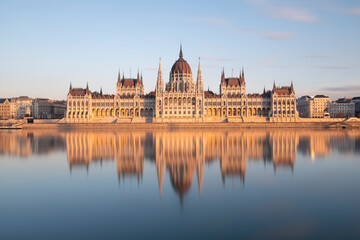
(5, 108)
(181, 99)
(343, 107)
(313, 107)
(46, 109)
(356, 100)
(21, 107)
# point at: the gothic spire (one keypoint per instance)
(87, 86)
(70, 86)
(181, 53)
(100, 90)
(118, 81)
(223, 76)
(199, 82)
(160, 81)
(274, 86)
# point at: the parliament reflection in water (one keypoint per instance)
(182, 152)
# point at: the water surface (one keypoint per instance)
(212, 184)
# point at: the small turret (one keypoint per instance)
(223, 76)
(100, 90)
(119, 79)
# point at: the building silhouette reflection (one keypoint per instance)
(182, 153)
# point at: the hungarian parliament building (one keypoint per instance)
(181, 100)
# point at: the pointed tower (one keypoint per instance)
(274, 86)
(100, 90)
(181, 53)
(222, 83)
(199, 82)
(138, 78)
(160, 80)
(223, 77)
(119, 79)
(70, 88)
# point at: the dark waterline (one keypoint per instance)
(216, 184)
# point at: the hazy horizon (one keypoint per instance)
(47, 45)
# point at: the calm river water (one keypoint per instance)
(163, 184)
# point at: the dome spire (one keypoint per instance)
(181, 53)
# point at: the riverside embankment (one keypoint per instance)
(307, 123)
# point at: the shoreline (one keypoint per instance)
(69, 126)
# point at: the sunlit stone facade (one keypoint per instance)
(182, 100)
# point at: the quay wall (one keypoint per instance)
(229, 123)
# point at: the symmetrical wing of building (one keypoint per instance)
(181, 100)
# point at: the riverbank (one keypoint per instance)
(307, 123)
(189, 125)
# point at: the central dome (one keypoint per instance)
(181, 66)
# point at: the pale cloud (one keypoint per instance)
(353, 11)
(267, 62)
(274, 35)
(316, 56)
(285, 12)
(270, 34)
(217, 59)
(217, 21)
(150, 69)
(345, 89)
(331, 67)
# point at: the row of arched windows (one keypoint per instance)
(78, 103)
(178, 101)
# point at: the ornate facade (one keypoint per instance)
(182, 100)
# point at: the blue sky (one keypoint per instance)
(45, 45)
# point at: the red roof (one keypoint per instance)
(77, 91)
(233, 82)
(283, 91)
(210, 94)
(129, 82)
